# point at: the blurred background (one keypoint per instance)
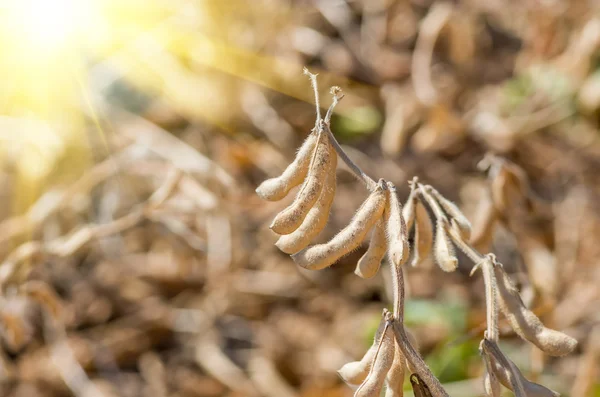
(136, 259)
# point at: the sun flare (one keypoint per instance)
(47, 24)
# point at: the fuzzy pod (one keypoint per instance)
(355, 372)
(317, 217)
(397, 234)
(491, 384)
(525, 323)
(408, 210)
(509, 375)
(423, 241)
(461, 223)
(292, 217)
(382, 362)
(444, 252)
(395, 377)
(275, 189)
(320, 256)
(369, 263)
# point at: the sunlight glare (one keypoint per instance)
(47, 24)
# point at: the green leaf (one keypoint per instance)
(356, 121)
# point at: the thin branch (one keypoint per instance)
(337, 94)
(367, 180)
(475, 256)
(321, 124)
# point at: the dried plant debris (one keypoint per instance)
(137, 284)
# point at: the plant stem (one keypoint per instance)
(474, 255)
(337, 94)
(367, 180)
(396, 319)
(486, 262)
(314, 85)
(398, 283)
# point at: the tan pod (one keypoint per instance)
(317, 217)
(275, 189)
(397, 234)
(292, 217)
(526, 324)
(445, 255)
(320, 256)
(369, 263)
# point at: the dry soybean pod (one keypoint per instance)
(292, 217)
(444, 252)
(526, 324)
(395, 377)
(320, 256)
(504, 371)
(491, 384)
(396, 228)
(356, 372)
(462, 223)
(510, 376)
(408, 210)
(275, 189)
(369, 263)
(382, 362)
(317, 217)
(423, 241)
